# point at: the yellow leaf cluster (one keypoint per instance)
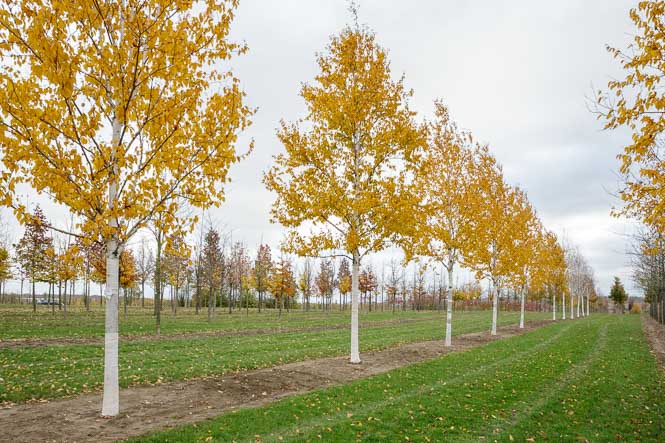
(123, 99)
(345, 173)
(637, 102)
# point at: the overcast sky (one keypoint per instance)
(515, 72)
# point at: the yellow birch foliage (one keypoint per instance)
(549, 269)
(490, 248)
(342, 175)
(637, 102)
(526, 232)
(70, 263)
(447, 219)
(74, 74)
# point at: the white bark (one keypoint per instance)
(587, 306)
(495, 310)
(553, 307)
(449, 307)
(572, 307)
(522, 299)
(111, 398)
(355, 275)
(579, 306)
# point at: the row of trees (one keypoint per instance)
(359, 174)
(216, 273)
(60, 262)
(125, 112)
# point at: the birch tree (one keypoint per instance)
(527, 239)
(343, 183)
(115, 109)
(489, 243)
(447, 219)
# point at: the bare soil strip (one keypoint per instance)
(152, 408)
(65, 341)
(655, 333)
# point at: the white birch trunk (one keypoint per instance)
(572, 307)
(355, 275)
(495, 310)
(563, 306)
(579, 306)
(522, 299)
(553, 307)
(449, 307)
(111, 398)
(587, 306)
(111, 395)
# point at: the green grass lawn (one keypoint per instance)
(19, 321)
(56, 371)
(587, 380)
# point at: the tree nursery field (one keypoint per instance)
(588, 380)
(56, 367)
(341, 221)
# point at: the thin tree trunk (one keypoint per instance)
(210, 297)
(495, 309)
(230, 298)
(572, 307)
(563, 306)
(175, 302)
(34, 299)
(578, 307)
(198, 296)
(553, 307)
(158, 284)
(355, 274)
(522, 300)
(449, 307)
(111, 399)
(64, 305)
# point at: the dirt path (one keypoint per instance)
(655, 333)
(153, 408)
(64, 341)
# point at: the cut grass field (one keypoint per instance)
(19, 322)
(57, 371)
(585, 380)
